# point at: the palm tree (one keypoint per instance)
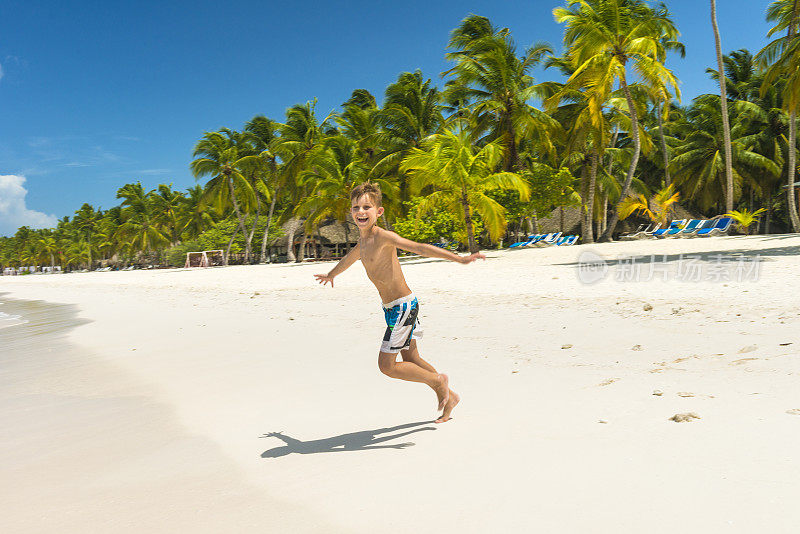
(168, 205)
(300, 135)
(657, 209)
(781, 58)
(700, 167)
(456, 176)
(263, 133)
(48, 245)
(602, 37)
(220, 158)
(333, 170)
(411, 112)
(140, 228)
(194, 217)
(726, 127)
(86, 219)
(490, 74)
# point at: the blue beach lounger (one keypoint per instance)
(567, 240)
(721, 227)
(691, 232)
(548, 239)
(690, 226)
(647, 233)
(535, 239)
(673, 225)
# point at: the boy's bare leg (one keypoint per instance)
(411, 354)
(388, 364)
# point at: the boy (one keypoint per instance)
(377, 250)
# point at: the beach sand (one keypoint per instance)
(160, 410)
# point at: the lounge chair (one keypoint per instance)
(690, 227)
(524, 243)
(548, 239)
(691, 232)
(567, 240)
(647, 233)
(721, 227)
(674, 224)
(532, 240)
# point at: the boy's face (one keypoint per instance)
(364, 211)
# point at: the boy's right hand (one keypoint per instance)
(472, 257)
(324, 279)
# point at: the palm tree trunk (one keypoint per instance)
(473, 246)
(301, 250)
(637, 147)
(769, 213)
(667, 178)
(726, 127)
(588, 236)
(791, 200)
(228, 248)
(253, 227)
(605, 213)
(290, 257)
(266, 230)
(238, 216)
(584, 197)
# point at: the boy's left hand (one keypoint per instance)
(472, 257)
(324, 279)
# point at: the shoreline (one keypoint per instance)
(89, 448)
(558, 406)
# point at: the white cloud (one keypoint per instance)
(13, 212)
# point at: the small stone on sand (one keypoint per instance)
(566, 346)
(636, 347)
(657, 392)
(793, 411)
(684, 417)
(647, 307)
(601, 421)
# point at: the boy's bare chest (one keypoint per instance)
(376, 256)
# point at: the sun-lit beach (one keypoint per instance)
(564, 236)
(254, 397)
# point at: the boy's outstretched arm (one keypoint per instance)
(348, 260)
(430, 251)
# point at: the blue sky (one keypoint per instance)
(96, 94)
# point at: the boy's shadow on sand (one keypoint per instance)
(354, 441)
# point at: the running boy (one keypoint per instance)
(377, 250)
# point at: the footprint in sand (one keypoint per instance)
(684, 417)
(685, 394)
(608, 381)
(793, 411)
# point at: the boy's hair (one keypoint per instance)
(369, 189)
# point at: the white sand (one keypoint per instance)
(183, 372)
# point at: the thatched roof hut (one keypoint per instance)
(334, 233)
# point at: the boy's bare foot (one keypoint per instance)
(443, 391)
(448, 408)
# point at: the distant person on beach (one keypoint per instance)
(377, 250)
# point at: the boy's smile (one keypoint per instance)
(364, 212)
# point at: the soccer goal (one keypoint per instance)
(207, 258)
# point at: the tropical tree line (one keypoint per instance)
(481, 158)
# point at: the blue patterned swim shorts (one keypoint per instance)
(402, 324)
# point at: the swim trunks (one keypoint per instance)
(402, 324)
